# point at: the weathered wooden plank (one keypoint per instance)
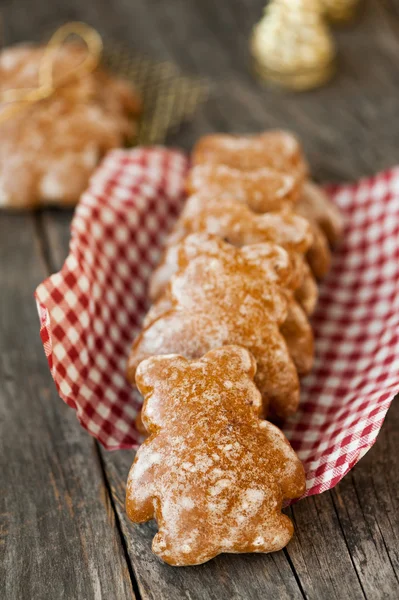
(58, 534)
(319, 552)
(367, 503)
(364, 509)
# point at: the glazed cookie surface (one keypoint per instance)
(289, 231)
(212, 473)
(278, 150)
(263, 190)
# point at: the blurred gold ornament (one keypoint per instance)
(292, 44)
(340, 10)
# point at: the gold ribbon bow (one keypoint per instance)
(18, 99)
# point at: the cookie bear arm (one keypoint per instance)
(141, 483)
(319, 254)
(291, 474)
(298, 335)
(315, 205)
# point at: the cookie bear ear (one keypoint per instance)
(199, 244)
(232, 359)
(158, 371)
(288, 229)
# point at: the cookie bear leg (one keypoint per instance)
(276, 536)
(319, 254)
(139, 490)
(276, 377)
(307, 293)
(298, 335)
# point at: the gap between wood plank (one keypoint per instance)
(43, 243)
(297, 579)
(117, 522)
(346, 544)
(371, 536)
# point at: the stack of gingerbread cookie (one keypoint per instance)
(232, 300)
(50, 144)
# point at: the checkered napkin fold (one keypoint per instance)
(91, 310)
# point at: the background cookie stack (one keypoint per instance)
(65, 104)
(240, 268)
(57, 121)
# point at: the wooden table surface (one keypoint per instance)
(64, 533)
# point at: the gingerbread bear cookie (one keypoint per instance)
(49, 148)
(240, 226)
(268, 190)
(212, 473)
(254, 190)
(296, 328)
(263, 190)
(276, 150)
(224, 295)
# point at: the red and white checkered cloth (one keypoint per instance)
(92, 309)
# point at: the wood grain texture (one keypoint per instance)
(55, 509)
(346, 541)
